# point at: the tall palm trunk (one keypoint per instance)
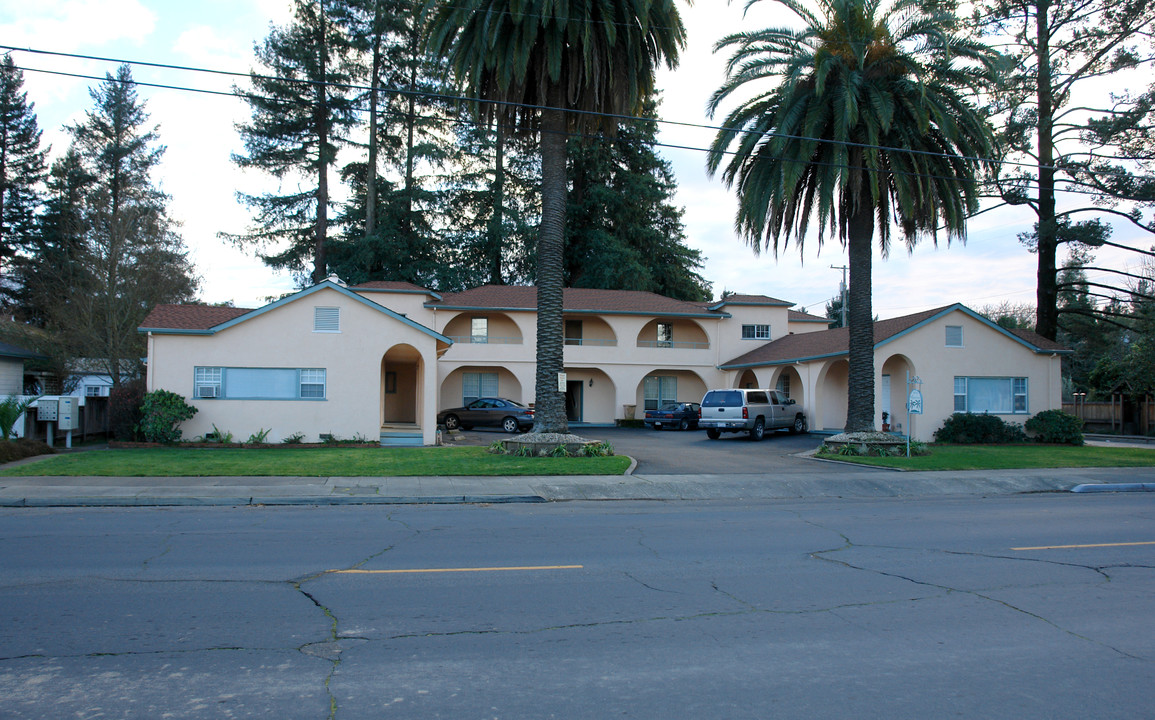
(1046, 294)
(860, 247)
(549, 403)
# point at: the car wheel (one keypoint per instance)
(509, 425)
(451, 422)
(799, 425)
(684, 425)
(713, 434)
(759, 430)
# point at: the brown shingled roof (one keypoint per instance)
(798, 316)
(749, 300)
(390, 285)
(523, 297)
(190, 317)
(836, 342)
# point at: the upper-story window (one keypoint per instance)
(479, 329)
(954, 337)
(326, 319)
(573, 332)
(755, 332)
(665, 334)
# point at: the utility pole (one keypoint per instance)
(842, 290)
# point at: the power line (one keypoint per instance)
(526, 106)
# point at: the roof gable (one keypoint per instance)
(831, 343)
(758, 300)
(206, 320)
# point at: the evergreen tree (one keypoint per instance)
(1063, 52)
(130, 258)
(22, 163)
(301, 114)
(622, 230)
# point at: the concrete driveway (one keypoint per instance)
(690, 452)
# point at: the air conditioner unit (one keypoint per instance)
(207, 391)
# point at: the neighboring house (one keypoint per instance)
(12, 359)
(381, 359)
(90, 378)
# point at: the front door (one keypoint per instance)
(574, 390)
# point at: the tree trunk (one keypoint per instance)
(321, 127)
(549, 403)
(371, 166)
(1046, 293)
(496, 219)
(860, 384)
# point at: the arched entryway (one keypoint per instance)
(401, 388)
(830, 395)
(892, 390)
(746, 379)
(787, 381)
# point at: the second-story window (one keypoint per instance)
(573, 332)
(755, 332)
(665, 334)
(479, 329)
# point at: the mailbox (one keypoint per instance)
(68, 414)
(47, 410)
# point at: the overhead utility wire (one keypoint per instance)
(528, 106)
(464, 122)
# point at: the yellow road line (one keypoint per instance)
(1065, 547)
(455, 570)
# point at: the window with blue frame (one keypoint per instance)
(237, 383)
(994, 395)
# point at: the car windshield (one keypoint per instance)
(722, 398)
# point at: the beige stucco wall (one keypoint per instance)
(283, 337)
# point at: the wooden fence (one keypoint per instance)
(1118, 415)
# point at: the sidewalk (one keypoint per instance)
(825, 480)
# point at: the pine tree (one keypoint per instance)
(623, 231)
(22, 163)
(301, 114)
(131, 257)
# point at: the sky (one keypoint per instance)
(199, 133)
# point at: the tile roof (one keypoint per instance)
(575, 300)
(189, 317)
(824, 343)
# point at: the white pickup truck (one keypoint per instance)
(750, 411)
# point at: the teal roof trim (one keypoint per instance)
(641, 313)
(784, 361)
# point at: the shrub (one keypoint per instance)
(972, 429)
(295, 439)
(1056, 426)
(124, 402)
(161, 414)
(21, 448)
(259, 438)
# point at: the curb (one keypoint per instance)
(119, 502)
(1113, 487)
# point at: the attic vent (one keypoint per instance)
(327, 319)
(954, 336)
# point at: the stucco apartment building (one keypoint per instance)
(381, 359)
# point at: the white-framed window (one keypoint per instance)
(93, 391)
(755, 332)
(954, 336)
(326, 319)
(240, 383)
(312, 383)
(659, 390)
(994, 395)
(479, 329)
(665, 335)
(207, 382)
(476, 385)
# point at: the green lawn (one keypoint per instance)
(1012, 457)
(312, 462)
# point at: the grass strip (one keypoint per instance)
(311, 462)
(1010, 457)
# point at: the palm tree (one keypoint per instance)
(554, 68)
(858, 116)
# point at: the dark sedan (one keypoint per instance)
(683, 416)
(509, 415)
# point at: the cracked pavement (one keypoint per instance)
(872, 608)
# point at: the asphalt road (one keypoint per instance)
(1013, 607)
(690, 452)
